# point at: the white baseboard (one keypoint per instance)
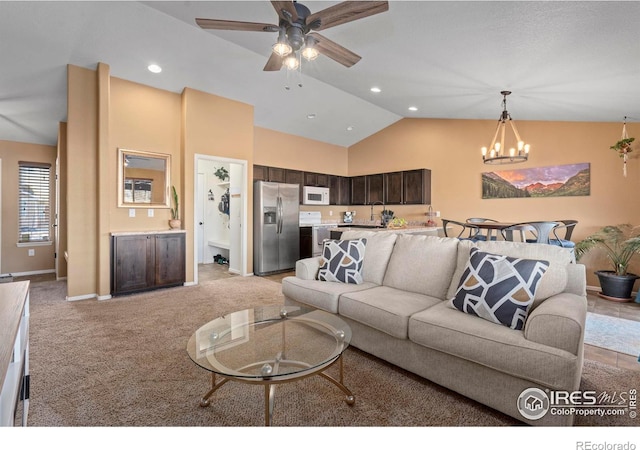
(81, 297)
(189, 283)
(25, 274)
(103, 297)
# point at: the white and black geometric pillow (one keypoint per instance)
(499, 288)
(342, 261)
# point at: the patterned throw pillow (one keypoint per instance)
(342, 261)
(499, 288)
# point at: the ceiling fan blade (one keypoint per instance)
(274, 63)
(215, 24)
(335, 51)
(289, 7)
(346, 12)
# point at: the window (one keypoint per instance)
(34, 219)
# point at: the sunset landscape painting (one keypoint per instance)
(551, 181)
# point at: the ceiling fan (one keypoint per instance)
(297, 28)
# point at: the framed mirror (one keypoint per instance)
(143, 179)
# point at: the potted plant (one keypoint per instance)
(620, 243)
(175, 222)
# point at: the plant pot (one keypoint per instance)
(175, 224)
(616, 287)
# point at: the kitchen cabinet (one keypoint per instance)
(260, 173)
(277, 175)
(375, 188)
(316, 179)
(359, 190)
(339, 190)
(295, 177)
(306, 242)
(417, 187)
(144, 261)
(393, 193)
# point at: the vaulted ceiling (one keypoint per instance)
(563, 61)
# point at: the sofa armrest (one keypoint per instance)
(307, 268)
(558, 322)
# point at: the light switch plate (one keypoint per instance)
(132, 212)
(150, 212)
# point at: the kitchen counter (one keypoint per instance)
(411, 229)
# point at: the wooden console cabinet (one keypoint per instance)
(144, 261)
(14, 353)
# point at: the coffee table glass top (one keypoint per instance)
(272, 342)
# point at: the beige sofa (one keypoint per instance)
(401, 313)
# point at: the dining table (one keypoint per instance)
(491, 226)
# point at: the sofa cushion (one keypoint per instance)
(384, 308)
(319, 294)
(498, 347)
(379, 247)
(555, 279)
(499, 288)
(422, 264)
(342, 261)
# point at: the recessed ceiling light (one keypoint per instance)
(350, 128)
(311, 116)
(154, 68)
(413, 108)
(376, 89)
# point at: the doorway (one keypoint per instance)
(220, 214)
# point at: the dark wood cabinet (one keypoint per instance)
(306, 242)
(393, 188)
(277, 175)
(141, 262)
(339, 190)
(417, 187)
(359, 190)
(260, 173)
(375, 188)
(322, 180)
(295, 177)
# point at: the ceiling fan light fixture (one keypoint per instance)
(282, 47)
(310, 52)
(291, 62)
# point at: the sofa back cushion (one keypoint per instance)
(379, 247)
(554, 280)
(422, 264)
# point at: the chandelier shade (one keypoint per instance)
(497, 153)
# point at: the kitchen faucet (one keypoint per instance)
(383, 208)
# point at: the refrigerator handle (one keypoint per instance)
(279, 215)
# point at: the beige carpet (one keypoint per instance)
(122, 362)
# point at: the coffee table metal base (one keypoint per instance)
(269, 383)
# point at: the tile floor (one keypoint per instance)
(595, 304)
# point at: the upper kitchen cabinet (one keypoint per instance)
(359, 190)
(295, 177)
(316, 179)
(393, 188)
(339, 190)
(375, 188)
(266, 173)
(416, 187)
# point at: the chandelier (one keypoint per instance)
(497, 153)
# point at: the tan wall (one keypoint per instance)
(276, 149)
(82, 187)
(451, 149)
(214, 126)
(15, 259)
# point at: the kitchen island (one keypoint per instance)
(336, 232)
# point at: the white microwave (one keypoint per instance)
(312, 195)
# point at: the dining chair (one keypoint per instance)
(480, 236)
(461, 230)
(540, 230)
(564, 241)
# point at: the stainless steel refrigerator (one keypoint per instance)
(276, 232)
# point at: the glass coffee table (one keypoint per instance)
(271, 345)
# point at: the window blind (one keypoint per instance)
(34, 220)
